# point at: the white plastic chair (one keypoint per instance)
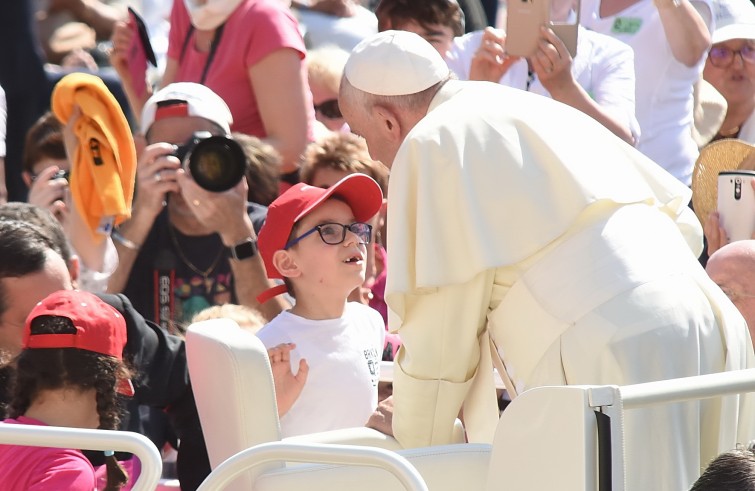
(58, 437)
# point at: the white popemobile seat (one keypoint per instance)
(582, 425)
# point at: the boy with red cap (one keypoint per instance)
(315, 239)
(68, 374)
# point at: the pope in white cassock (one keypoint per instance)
(519, 221)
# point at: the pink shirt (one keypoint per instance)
(254, 30)
(43, 468)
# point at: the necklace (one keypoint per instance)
(204, 274)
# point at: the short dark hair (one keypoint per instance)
(44, 220)
(44, 140)
(24, 249)
(424, 12)
(731, 471)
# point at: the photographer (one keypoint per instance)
(186, 247)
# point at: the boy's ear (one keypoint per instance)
(286, 264)
(26, 177)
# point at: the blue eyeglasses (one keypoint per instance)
(335, 233)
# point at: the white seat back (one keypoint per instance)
(234, 391)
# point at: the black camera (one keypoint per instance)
(61, 174)
(217, 163)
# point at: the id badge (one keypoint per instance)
(626, 25)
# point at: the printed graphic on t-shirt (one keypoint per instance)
(198, 293)
(626, 25)
(372, 357)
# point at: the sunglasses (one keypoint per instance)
(329, 109)
(722, 57)
(335, 233)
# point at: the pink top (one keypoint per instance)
(42, 468)
(254, 30)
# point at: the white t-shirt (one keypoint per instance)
(344, 367)
(664, 99)
(603, 67)
(320, 29)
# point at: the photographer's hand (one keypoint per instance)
(226, 214)
(155, 178)
(715, 234)
(552, 64)
(490, 62)
(49, 193)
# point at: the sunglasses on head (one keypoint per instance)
(329, 109)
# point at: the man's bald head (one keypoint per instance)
(737, 254)
(733, 269)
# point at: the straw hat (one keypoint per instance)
(721, 155)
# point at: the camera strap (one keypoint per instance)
(164, 279)
(213, 49)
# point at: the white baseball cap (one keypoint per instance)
(186, 99)
(735, 19)
(395, 63)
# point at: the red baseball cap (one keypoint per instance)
(359, 191)
(100, 328)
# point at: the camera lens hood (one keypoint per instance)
(217, 163)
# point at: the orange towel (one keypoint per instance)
(104, 165)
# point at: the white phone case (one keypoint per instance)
(736, 204)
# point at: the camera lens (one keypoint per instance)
(217, 163)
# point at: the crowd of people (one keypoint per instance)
(534, 210)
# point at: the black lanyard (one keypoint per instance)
(210, 56)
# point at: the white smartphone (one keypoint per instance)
(736, 204)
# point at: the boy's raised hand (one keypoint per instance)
(288, 386)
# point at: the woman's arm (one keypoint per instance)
(280, 87)
(686, 29)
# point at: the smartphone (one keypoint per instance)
(525, 17)
(139, 53)
(736, 204)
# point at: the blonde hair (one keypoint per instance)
(325, 66)
(246, 317)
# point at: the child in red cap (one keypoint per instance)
(68, 374)
(315, 240)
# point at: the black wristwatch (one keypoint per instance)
(242, 250)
